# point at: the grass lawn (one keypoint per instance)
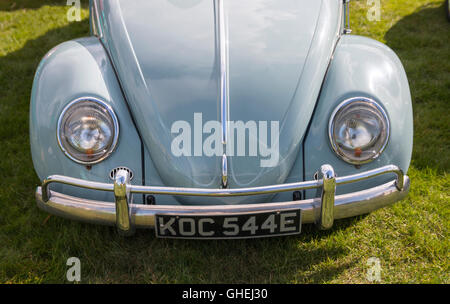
(411, 238)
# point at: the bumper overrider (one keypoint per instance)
(127, 216)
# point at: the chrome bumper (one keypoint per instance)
(126, 215)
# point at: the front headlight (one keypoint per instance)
(88, 130)
(359, 130)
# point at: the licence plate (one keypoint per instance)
(242, 225)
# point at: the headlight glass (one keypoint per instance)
(359, 130)
(88, 130)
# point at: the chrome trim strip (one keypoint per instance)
(222, 192)
(224, 77)
(115, 122)
(331, 128)
(347, 29)
(96, 25)
(224, 84)
(143, 216)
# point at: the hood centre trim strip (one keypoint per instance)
(219, 11)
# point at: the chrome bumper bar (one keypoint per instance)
(126, 215)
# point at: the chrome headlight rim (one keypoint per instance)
(113, 116)
(337, 110)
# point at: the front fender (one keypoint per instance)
(71, 70)
(362, 67)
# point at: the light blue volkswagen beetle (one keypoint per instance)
(220, 119)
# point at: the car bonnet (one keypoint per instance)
(171, 57)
